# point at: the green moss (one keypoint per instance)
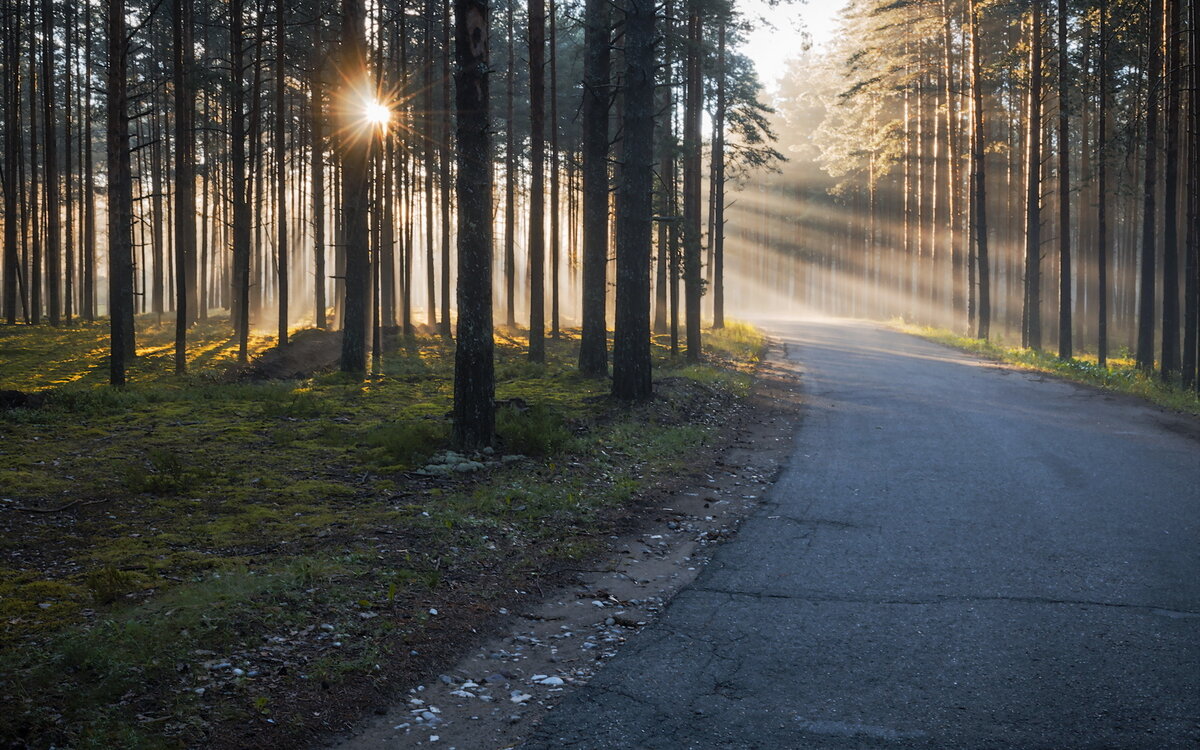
(250, 508)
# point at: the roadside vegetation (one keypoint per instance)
(1120, 375)
(224, 559)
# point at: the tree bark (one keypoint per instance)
(1170, 301)
(1064, 190)
(979, 179)
(1102, 194)
(50, 149)
(474, 374)
(693, 111)
(185, 177)
(356, 143)
(317, 134)
(280, 145)
(631, 339)
(593, 345)
(120, 195)
(1032, 309)
(537, 182)
(1145, 335)
(717, 235)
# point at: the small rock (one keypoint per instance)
(519, 697)
(432, 611)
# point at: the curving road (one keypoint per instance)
(958, 556)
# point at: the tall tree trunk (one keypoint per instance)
(510, 178)
(240, 208)
(1191, 292)
(445, 149)
(1032, 317)
(281, 239)
(537, 184)
(693, 111)
(35, 224)
(474, 374)
(89, 188)
(717, 235)
(185, 177)
(355, 146)
(1102, 118)
(665, 178)
(554, 173)
(120, 196)
(430, 154)
(317, 174)
(12, 151)
(1145, 335)
(68, 299)
(1064, 190)
(631, 339)
(593, 351)
(1170, 302)
(953, 171)
(50, 146)
(979, 179)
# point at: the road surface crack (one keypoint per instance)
(1151, 608)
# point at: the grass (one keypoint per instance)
(1120, 375)
(200, 525)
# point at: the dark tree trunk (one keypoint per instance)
(537, 182)
(317, 131)
(355, 145)
(631, 338)
(446, 153)
(554, 172)
(240, 207)
(1032, 317)
(1191, 292)
(1064, 190)
(120, 196)
(1170, 301)
(88, 260)
(693, 110)
(593, 345)
(717, 235)
(1145, 335)
(185, 178)
(510, 179)
(474, 375)
(979, 179)
(50, 148)
(12, 150)
(281, 239)
(1102, 193)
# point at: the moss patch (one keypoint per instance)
(217, 553)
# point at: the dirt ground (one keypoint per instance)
(531, 655)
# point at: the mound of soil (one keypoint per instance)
(306, 352)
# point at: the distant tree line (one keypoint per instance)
(1022, 169)
(336, 164)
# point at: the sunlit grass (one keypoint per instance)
(1121, 374)
(221, 510)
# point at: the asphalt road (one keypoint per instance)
(957, 556)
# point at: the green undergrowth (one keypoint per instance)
(156, 538)
(1120, 374)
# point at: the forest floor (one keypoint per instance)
(1120, 375)
(229, 559)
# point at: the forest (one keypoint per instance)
(1020, 171)
(335, 333)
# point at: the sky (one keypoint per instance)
(772, 46)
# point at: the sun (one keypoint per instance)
(377, 114)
